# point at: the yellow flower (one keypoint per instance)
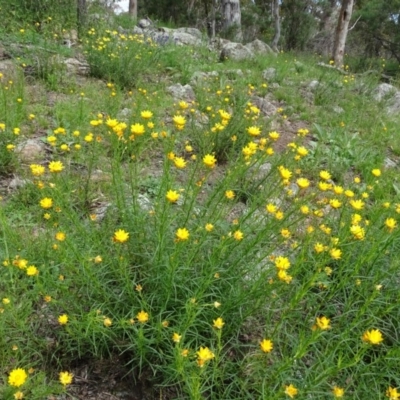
(172, 196)
(348, 193)
(179, 162)
(358, 232)
(291, 390)
(179, 121)
(18, 395)
(323, 323)
(286, 233)
(335, 203)
(391, 224)
(142, 316)
(238, 235)
(218, 323)
(273, 135)
(284, 172)
(392, 393)
(282, 263)
(336, 254)
(46, 203)
(63, 319)
(338, 189)
(209, 161)
(56, 166)
(271, 208)
(253, 131)
(176, 337)
(120, 236)
(230, 194)
(65, 378)
(146, 114)
(137, 129)
(204, 355)
(338, 392)
(88, 138)
(37, 169)
(209, 227)
(6, 301)
(17, 377)
(60, 236)
(107, 322)
(183, 105)
(182, 234)
(374, 336)
(302, 151)
(357, 204)
(32, 271)
(284, 276)
(303, 183)
(325, 175)
(266, 345)
(376, 172)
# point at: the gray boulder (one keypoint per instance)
(259, 47)
(180, 92)
(235, 51)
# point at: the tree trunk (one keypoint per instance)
(81, 16)
(232, 18)
(132, 10)
(277, 26)
(341, 32)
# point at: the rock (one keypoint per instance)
(144, 202)
(265, 105)
(235, 51)
(30, 150)
(389, 163)
(259, 47)
(185, 39)
(337, 110)
(313, 85)
(191, 31)
(200, 77)
(137, 30)
(269, 74)
(17, 183)
(383, 90)
(76, 67)
(394, 104)
(259, 172)
(7, 66)
(180, 92)
(144, 23)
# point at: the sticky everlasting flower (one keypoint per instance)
(204, 355)
(376, 172)
(266, 345)
(56, 166)
(120, 236)
(374, 336)
(291, 390)
(392, 393)
(176, 337)
(37, 169)
(230, 194)
(172, 196)
(17, 377)
(238, 235)
(323, 323)
(65, 378)
(137, 129)
(146, 114)
(209, 161)
(63, 319)
(338, 392)
(218, 323)
(391, 224)
(182, 234)
(179, 162)
(46, 203)
(142, 316)
(253, 131)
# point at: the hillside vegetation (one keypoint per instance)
(238, 243)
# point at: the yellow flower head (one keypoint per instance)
(284, 172)
(17, 377)
(60, 236)
(146, 114)
(63, 319)
(142, 316)
(291, 390)
(37, 170)
(65, 378)
(137, 129)
(391, 224)
(282, 263)
(209, 227)
(209, 161)
(273, 135)
(357, 204)
(46, 203)
(172, 196)
(107, 322)
(218, 323)
(56, 166)
(266, 345)
(376, 172)
(179, 121)
(254, 131)
(335, 253)
(325, 175)
(338, 392)
(230, 194)
(182, 234)
(179, 162)
(374, 336)
(203, 355)
(392, 393)
(120, 236)
(176, 337)
(323, 323)
(238, 235)
(32, 271)
(303, 183)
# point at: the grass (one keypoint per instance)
(215, 251)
